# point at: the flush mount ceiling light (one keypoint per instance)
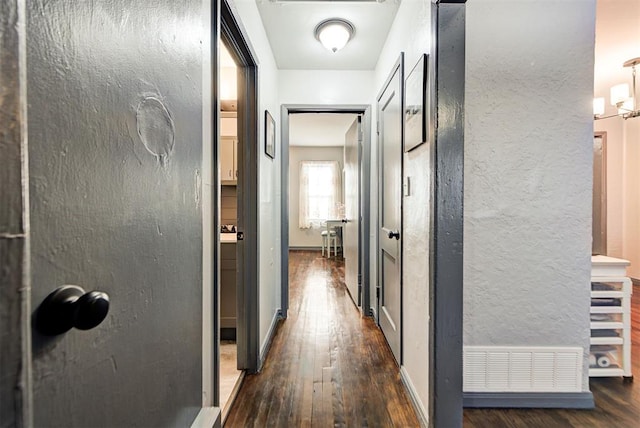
(334, 33)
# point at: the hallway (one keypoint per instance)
(327, 366)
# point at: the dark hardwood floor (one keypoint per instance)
(617, 403)
(327, 365)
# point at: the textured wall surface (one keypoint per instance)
(306, 237)
(13, 228)
(115, 126)
(528, 173)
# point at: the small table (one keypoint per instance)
(335, 224)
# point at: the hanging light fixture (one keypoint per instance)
(625, 102)
(334, 33)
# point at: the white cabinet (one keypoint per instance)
(229, 160)
(610, 353)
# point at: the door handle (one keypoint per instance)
(69, 306)
(394, 234)
(344, 220)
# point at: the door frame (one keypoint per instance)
(365, 171)
(248, 268)
(600, 244)
(446, 282)
(219, 17)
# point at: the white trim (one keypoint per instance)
(208, 417)
(267, 343)
(206, 188)
(423, 415)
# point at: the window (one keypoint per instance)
(319, 192)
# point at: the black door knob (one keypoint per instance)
(394, 234)
(69, 306)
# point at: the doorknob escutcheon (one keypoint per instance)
(69, 306)
(394, 234)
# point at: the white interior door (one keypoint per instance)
(389, 193)
(351, 229)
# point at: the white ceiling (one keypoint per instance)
(290, 28)
(319, 129)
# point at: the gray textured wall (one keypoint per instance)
(115, 127)
(528, 173)
(13, 229)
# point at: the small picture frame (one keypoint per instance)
(269, 135)
(416, 105)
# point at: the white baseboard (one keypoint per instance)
(208, 417)
(423, 415)
(267, 343)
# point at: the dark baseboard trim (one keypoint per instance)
(529, 400)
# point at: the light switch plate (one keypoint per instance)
(406, 187)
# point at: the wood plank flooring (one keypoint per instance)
(327, 366)
(617, 403)
(330, 367)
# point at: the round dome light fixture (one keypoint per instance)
(334, 33)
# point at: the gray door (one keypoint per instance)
(115, 146)
(351, 229)
(389, 202)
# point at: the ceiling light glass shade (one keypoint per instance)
(626, 106)
(334, 34)
(619, 93)
(598, 106)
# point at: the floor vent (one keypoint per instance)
(522, 369)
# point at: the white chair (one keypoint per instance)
(329, 236)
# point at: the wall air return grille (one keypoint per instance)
(522, 369)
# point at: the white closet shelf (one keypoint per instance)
(609, 272)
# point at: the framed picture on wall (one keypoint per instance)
(416, 105)
(269, 135)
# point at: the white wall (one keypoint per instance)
(617, 35)
(306, 237)
(269, 188)
(325, 87)
(528, 173)
(631, 197)
(411, 33)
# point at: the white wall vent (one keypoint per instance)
(522, 369)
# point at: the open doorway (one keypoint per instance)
(325, 158)
(230, 374)
(236, 116)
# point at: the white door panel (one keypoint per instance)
(351, 229)
(390, 186)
